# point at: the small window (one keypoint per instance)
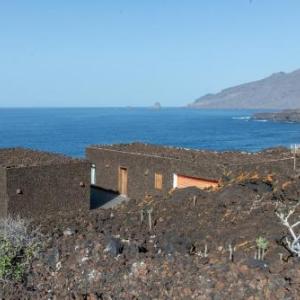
(93, 174)
(158, 181)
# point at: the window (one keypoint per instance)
(158, 181)
(93, 174)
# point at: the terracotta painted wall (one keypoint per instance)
(186, 181)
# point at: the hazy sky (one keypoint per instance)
(119, 53)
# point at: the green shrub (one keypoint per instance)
(18, 246)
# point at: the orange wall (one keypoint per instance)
(185, 181)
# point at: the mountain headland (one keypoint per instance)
(278, 91)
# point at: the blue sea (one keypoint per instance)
(70, 130)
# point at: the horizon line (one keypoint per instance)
(118, 106)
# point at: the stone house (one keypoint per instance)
(136, 170)
(35, 183)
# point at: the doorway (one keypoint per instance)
(123, 181)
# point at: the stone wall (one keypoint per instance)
(46, 189)
(3, 195)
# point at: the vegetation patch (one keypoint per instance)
(18, 247)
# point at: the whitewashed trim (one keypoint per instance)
(175, 181)
(93, 174)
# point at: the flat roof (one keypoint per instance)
(22, 157)
(225, 158)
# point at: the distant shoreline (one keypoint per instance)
(288, 116)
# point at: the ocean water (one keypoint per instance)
(70, 130)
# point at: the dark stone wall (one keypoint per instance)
(141, 171)
(48, 189)
(3, 195)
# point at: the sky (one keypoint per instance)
(137, 52)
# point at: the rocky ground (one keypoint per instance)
(181, 252)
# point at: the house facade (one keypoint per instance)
(34, 183)
(136, 170)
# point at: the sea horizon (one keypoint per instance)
(69, 130)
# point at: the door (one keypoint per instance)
(123, 181)
(158, 181)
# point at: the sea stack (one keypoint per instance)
(157, 105)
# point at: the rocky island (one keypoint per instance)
(289, 115)
(156, 105)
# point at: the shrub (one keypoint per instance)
(18, 246)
